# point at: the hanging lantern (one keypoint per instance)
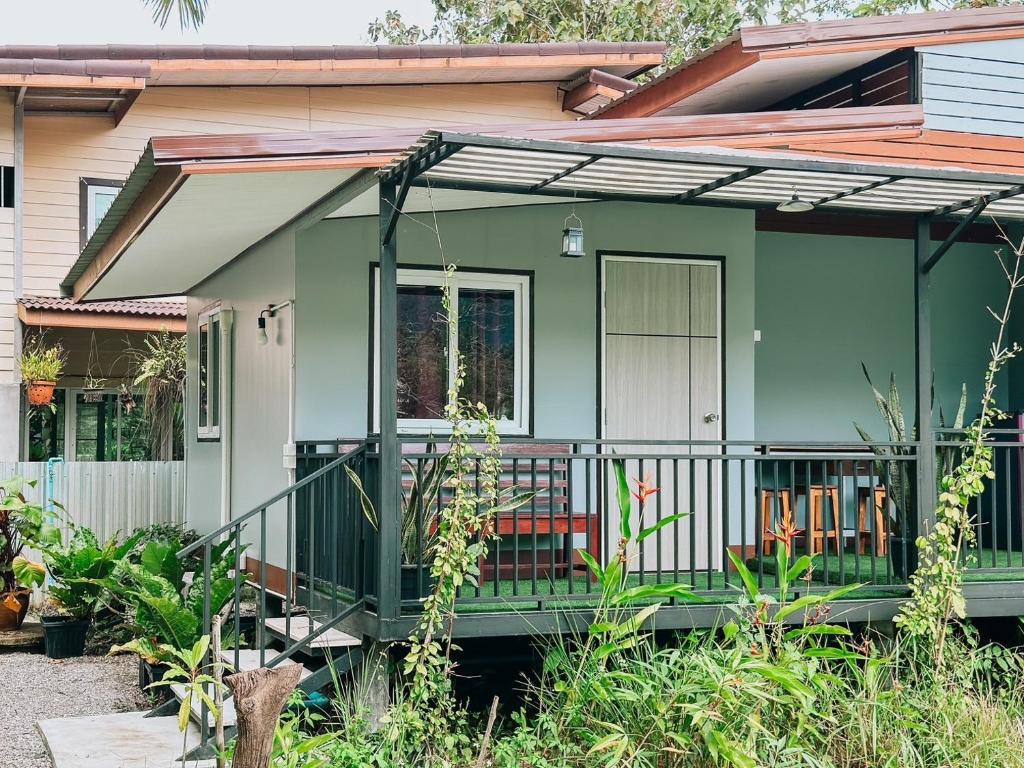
(572, 237)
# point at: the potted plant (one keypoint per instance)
(420, 509)
(21, 522)
(41, 366)
(893, 473)
(78, 571)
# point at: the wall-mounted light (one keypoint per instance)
(795, 205)
(572, 237)
(261, 326)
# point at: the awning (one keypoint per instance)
(698, 176)
(140, 315)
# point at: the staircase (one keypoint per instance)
(312, 532)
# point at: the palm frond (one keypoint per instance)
(191, 13)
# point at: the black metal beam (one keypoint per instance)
(725, 181)
(562, 174)
(389, 494)
(1002, 194)
(391, 220)
(926, 462)
(948, 243)
(856, 190)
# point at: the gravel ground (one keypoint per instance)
(33, 688)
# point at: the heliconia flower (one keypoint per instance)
(786, 530)
(644, 488)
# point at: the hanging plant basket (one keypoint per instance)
(40, 392)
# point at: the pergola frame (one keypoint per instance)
(735, 179)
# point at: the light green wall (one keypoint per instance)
(333, 292)
(259, 425)
(826, 304)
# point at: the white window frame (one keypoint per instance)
(88, 189)
(214, 323)
(520, 285)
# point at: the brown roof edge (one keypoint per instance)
(320, 52)
(594, 85)
(179, 150)
(747, 45)
(883, 27)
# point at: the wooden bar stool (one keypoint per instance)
(816, 528)
(782, 508)
(863, 531)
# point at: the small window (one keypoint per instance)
(6, 186)
(95, 199)
(209, 376)
(491, 335)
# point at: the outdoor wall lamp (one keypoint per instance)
(261, 326)
(795, 205)
(572, 238)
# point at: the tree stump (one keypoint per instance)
(260, 695)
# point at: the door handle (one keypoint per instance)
(710, 418)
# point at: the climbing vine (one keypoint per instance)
(936, 587)
(465, 527)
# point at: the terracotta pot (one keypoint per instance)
(40, 392)
(10, 619)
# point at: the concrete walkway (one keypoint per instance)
(126, 740)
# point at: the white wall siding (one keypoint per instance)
(110, 497)
(975, 87)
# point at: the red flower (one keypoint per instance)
(644, 488)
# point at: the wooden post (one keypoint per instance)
(260, 695)
(388, 512)
(218, 690)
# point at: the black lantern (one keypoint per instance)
(572, 238)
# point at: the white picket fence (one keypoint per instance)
(109, 496)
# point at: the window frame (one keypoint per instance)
(521, 283)
(211, 318)
(87, 189)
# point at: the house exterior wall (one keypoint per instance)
(827, 304)
(10, 392)
(333, 302)
(975, 87)
(60, 150)
(255, 375)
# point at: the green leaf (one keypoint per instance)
(659, 525)
(817, 630)
(656, 591)
(592, 564)
(745, 575)
(625, 500)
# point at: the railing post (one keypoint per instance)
(926, 467)
(388, 512)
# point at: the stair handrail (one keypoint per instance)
(234, 523)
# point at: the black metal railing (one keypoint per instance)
(310, 535)
(998, 513)
(852, 506)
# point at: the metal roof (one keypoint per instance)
(712, 176)
(154, 308)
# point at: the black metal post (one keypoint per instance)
(926, 469)
(388, 512)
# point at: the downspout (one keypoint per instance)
(227, 388)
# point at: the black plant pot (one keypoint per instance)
(150, 673)
(903, 553)
(64, 636)
(412, 577)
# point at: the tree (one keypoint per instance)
(688, 26)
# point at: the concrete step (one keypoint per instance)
(228, 707)
(303, 626)
(249, 659)
(124, 740)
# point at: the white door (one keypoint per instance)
(661, 338)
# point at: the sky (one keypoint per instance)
(228, 22)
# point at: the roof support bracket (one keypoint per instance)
(948, 243)
(568, 171)
(725, 181)
(401, 191)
